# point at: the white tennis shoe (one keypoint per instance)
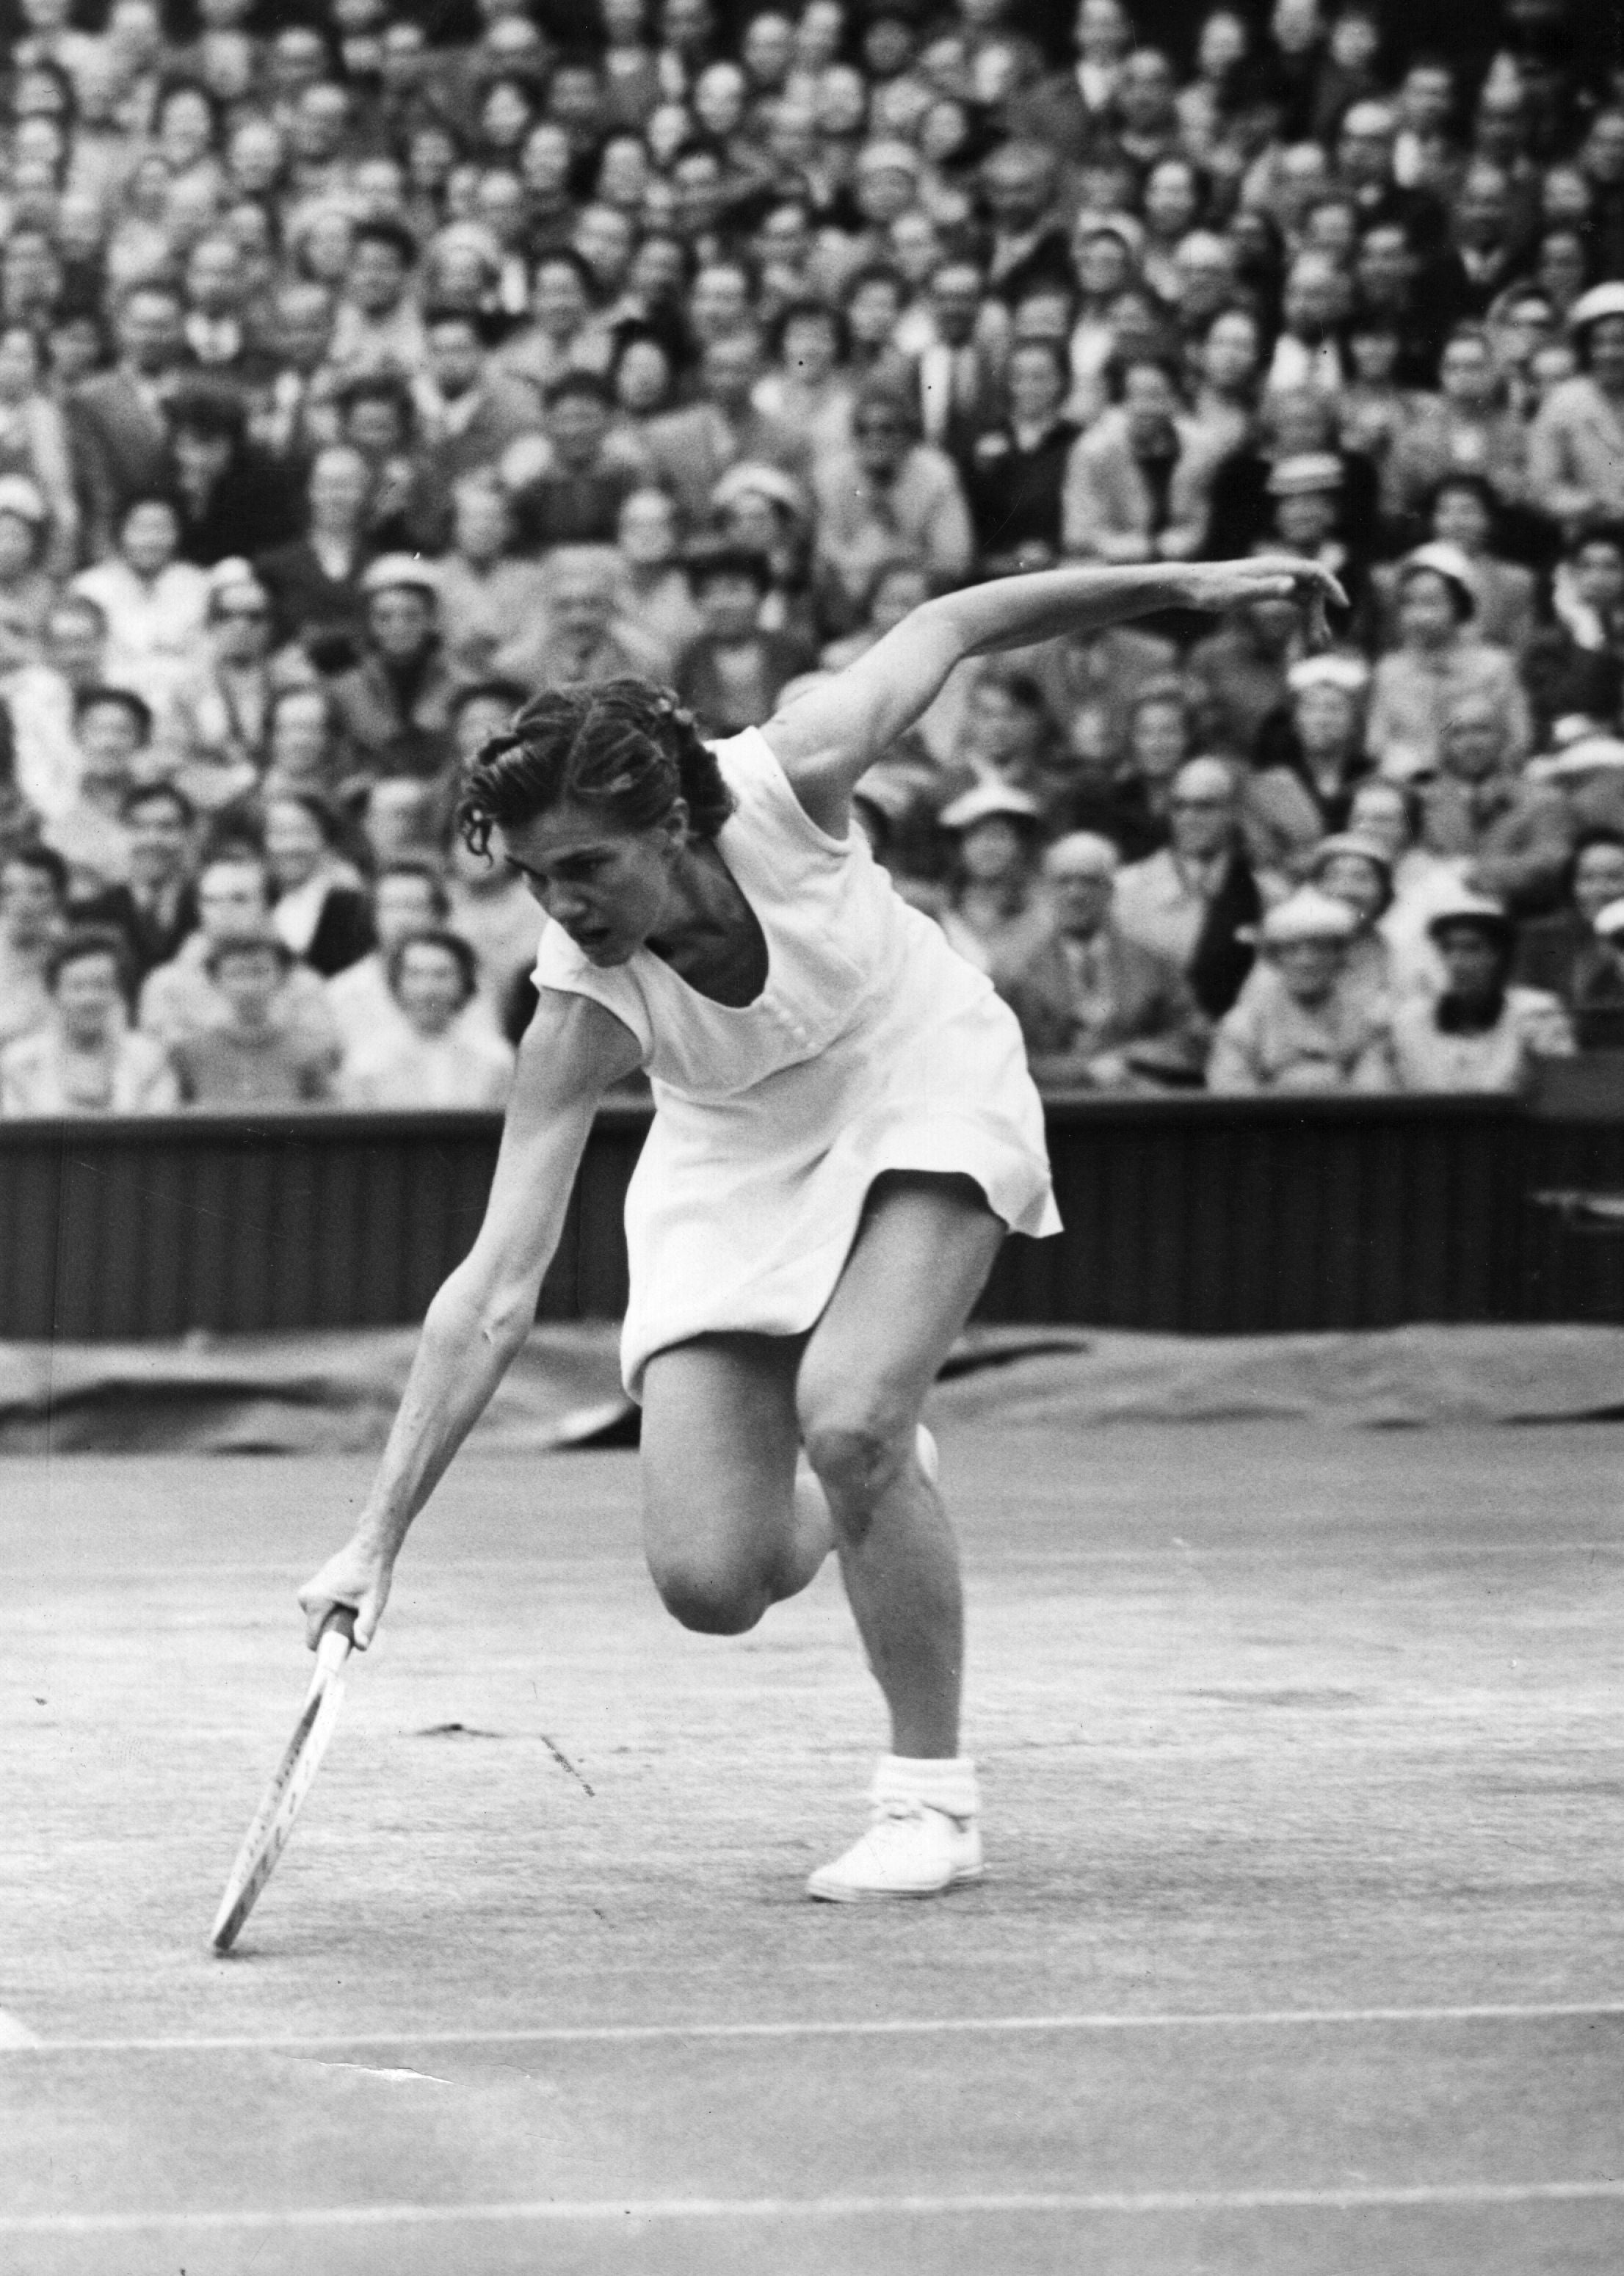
(910, 1850)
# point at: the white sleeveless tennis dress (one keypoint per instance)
(872, 1047)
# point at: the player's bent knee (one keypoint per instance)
(858, 1457)
(713, 1600)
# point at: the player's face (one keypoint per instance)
(608, 888)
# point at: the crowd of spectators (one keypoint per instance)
(364, 370)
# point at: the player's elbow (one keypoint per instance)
(495, 1313)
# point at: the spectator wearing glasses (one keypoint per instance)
(86, 1058)
(222, 716)
(889, 493)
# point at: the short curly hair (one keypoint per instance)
(626, 750)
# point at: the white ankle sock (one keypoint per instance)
(944, 1782)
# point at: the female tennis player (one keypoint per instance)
(845, 1129)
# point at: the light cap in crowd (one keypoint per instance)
(1609, 921)
(1369, 117)
(24, 498)
(1332, 669)
(1587, 755)
(751, 479)
(987, 800)
(890, 156)
(1467, 908)
(1447, 561)
(1082, 853)
(231, 575)
(1357, 842)
(1590, 307)
(1306, 473)
(392, 571)
(1308, 915)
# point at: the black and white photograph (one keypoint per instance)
(811, 1137)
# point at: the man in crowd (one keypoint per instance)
(1098, 1010)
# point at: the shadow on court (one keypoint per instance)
(1300, 1953)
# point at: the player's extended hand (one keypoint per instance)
(1219, 585)
(358, 1575)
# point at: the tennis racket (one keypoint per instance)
(273, 1821)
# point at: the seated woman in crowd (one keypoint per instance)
(995, 913)
(86, 1058)
(1309, 760)
(1480, 1032)
(1439, 659)
(1577, 444)
(1014, 472)
(251, 1058)
(27, 591)
(1303, 1026)
(433, 1058)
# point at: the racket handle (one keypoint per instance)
(336, 1639)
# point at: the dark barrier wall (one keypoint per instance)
(1200, 1215)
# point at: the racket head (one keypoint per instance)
(279, 1805)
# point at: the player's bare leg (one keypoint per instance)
(920, 1258)
(728, 1526)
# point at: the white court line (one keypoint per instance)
(887, 2027)
(852, 2208)
(15, 2034)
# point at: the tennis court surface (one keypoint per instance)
(1301, 1952)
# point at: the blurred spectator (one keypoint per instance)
(1196, 902)
(232, 495)
(1480, 1033)
(434, 1058)
(112, 729)
(1576, 444)
(408, 897)
(315, 580)
(34, 894)
(318, 908)
(221, 719)
(731, 676)
(689, 450)
(394, 702)
(1568, 955)
(1438, 662)
(1357, 870)
(995, 914)
(1136, 484)
(489, 600)
(36, 450)
(39, 698)
(179, 999)
(86, 1059)
(580, 638)
(1509, 837)
(1014, 472)
(26, 591)
(653, 591)
(889, 490)
(121, 444)
(154, 906)
(1300, 1027)
(1311, 759)
(155, 604)
(250, 1059)
(1098, 1010)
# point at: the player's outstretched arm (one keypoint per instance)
(832, 735)
(572, 1050)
